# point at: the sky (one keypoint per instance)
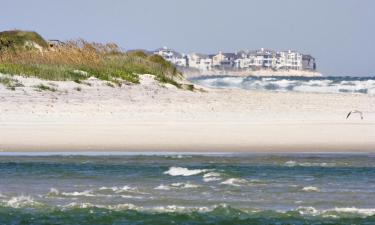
(340, 34)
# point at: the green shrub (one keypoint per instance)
(42, 87)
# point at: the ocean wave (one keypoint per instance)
(118, 207)
(336, 212)
(311, 189)
(118, 190)
(237, 182)
(362, 85)
(176, 186)
(309, 164)
(211, 176)
(99, 192)
(21, 202)
(181, 171)
(86, 193)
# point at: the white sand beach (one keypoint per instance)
(154, 117)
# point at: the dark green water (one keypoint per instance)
(187, 189)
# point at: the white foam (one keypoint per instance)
(310, 189)
(235, 182)
(163, 187)
(86, 193)
(176, 208)
(54, 192)
(365, 212)
(120, 189)
(211, 176)
(176, 186)
(184, 185)
(309, 164)
(290, 163)
(180, 171)
(21, 201)
(118, 207)
(333, 212)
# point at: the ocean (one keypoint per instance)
(337, 84)
(173, 188)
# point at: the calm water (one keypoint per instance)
(188, 189)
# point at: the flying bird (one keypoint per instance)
(355, 111)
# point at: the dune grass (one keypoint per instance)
(78, 60)
(43, 87)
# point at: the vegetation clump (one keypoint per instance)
(78, 60)
(43, 87)
(10, 83)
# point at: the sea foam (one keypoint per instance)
(311, 189)
(181, 171)
(235, 182)
(177, 185)
(211, 176)
(292, 163)
(21, 201)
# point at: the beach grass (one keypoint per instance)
(43, 87)
(10, 83)
(78, 60)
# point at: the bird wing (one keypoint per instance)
(348, 114)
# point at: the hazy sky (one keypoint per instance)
(339, 33)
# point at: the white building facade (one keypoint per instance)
(172, 56)
(259, 59)
(200, 61)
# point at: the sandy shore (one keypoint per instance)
(153, 117)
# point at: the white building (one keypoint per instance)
(225, 60)
(289, 60)
(200, 61)
(259, 59)
(172, 56)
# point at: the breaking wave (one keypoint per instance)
(309, 164)
(237, 182)
(180, 171)
(363, 85)
(177, 185)
(310, 189)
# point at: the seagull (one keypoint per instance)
(355, 111)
